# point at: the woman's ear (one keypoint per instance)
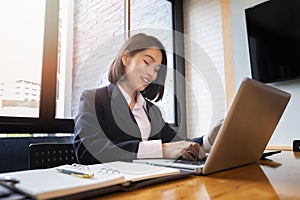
(125, 58)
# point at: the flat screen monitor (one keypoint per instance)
(273, 31)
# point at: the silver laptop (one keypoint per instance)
(245, 133)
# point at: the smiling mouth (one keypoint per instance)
(145, 80)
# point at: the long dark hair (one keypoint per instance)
(135, 44)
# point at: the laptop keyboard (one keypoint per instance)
(190, 162)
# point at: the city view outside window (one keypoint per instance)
(21, 39)
(21, 49)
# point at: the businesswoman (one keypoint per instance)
(119, 121)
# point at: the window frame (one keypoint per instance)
(47, 123)
(179, 68)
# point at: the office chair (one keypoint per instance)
(47, 155)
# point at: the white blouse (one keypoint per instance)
(147, 148)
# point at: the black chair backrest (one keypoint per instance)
(47, 155)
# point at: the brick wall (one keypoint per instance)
(95, 23)
(205, 64)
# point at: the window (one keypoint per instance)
(28, 71)
(21, 56)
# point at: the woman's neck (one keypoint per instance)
(132, 94)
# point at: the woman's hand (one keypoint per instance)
(189, 150)
(214, 132)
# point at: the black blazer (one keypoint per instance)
(105, 128)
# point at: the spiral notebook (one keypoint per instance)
(102, 178)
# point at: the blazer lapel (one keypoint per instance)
(155, 120)
(121, 112)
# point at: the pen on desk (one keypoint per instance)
(77, 173)
(9, 179)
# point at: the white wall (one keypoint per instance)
(287, 129)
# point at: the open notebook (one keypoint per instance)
(246, 130)
(108, 177)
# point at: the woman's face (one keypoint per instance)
(142, 68)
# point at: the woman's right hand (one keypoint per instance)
(189, 150)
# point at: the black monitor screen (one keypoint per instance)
(273, 29)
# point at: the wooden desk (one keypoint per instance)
(277, 179)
